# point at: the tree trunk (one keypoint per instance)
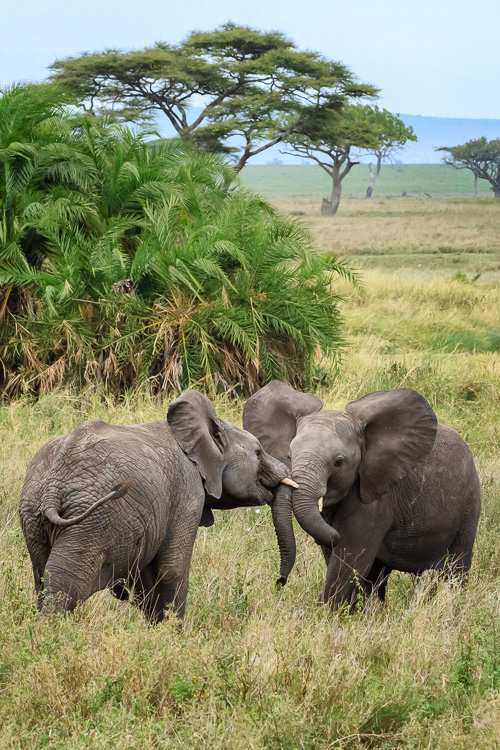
(330, 207)
(242, 161)
(374, 174)
(475, 186)
(496, 191)
(327, 208)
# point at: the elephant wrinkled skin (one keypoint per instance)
(120, 506)
(382, 486)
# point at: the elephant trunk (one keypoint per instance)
(305, 504)
(281, 508)
(274, 472)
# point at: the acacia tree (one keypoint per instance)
(392, 135)
(253, 84)
(482, 157)
(328, 137)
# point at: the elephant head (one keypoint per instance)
(235, 469)
(375, 443)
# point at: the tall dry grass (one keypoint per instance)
(422, 236)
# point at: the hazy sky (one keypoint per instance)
(429, 57)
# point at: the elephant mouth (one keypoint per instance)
(329, 499)
(267, 497)
(267, 488)
(264, 493)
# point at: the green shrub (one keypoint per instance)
(227, 291)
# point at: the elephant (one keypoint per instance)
(382, 486)
(119, 506)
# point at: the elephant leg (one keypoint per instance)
(172, 574)
(327, 553)
(347, 577)
(38, 563)
(351, 563)
(377, 579)
(69, 579)
(456, 564)
(460, 554)
(39, 548)
(170, 588)
(144, 586)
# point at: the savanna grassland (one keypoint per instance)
(438, 229)
(257, 667)
(427, 180)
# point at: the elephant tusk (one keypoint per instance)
(290, 482)
(320, 504)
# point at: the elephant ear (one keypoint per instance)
(194, 424)
(399, 429)
(271, 415)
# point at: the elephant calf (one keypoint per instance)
(383, 485)
(109, 503)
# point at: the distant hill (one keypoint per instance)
(432, 133)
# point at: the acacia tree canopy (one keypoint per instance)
(481, 156)
(249, 83)
(392, 135)
(328, 137)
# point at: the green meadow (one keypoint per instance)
(253, 666)
(418, 180)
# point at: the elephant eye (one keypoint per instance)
(259, 452)
(338, 462)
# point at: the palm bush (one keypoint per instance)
(227, 292)
(235, 295)
(42, 173)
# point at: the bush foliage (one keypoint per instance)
(227, 291)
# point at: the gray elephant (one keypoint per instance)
(382, 486)
(120, 505)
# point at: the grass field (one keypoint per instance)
(253, 667)
(444, 235)
(416, 180)
(410, 236)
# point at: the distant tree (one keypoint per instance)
(328, 137)
(253, 84)
(392, 136)
(482, 157)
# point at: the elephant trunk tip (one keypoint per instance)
(335, 537)
(308, 511)
(281, 581)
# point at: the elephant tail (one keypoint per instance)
(119, 490)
